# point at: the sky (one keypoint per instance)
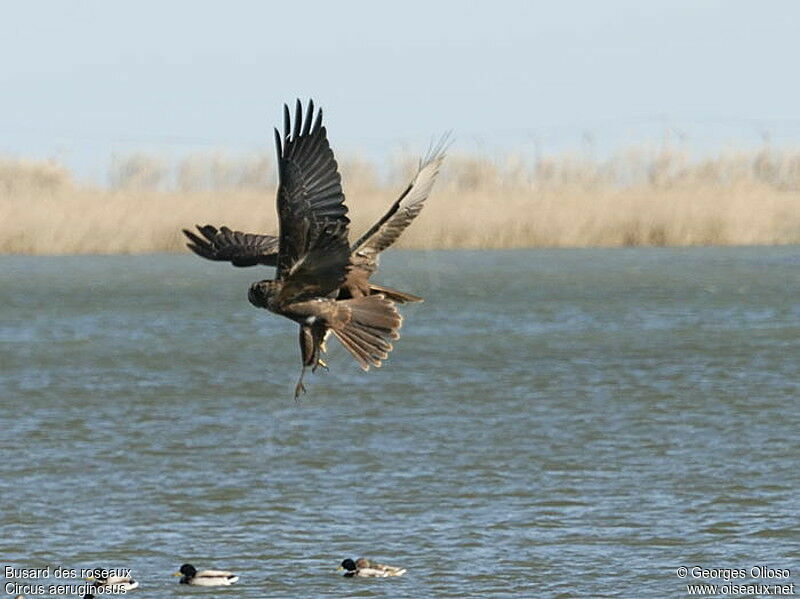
(81, 81)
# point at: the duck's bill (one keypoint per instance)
(340, 568)
(177, 574)
(89, 578)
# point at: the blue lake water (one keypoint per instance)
(552, 423)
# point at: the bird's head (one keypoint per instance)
(186, 570)
(348, 565)
(260, 293)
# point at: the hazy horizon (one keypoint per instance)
(84, 82)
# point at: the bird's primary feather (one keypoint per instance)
(236, 247)
(406, 208)
(310, 200)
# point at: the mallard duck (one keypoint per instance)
(369, 569)
(205, 578)
(108, 579)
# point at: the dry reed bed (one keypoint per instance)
(635, 198)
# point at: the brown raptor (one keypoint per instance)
(322, 282)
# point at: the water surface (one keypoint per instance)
(572, 423)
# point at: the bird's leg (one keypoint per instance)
(317, 360)
(300, 387)
(308, 352)
(319, 347)
(320, 361)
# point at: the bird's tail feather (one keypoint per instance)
(400, 297)
(364, 326)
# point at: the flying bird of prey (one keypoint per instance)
(321, 281)
(305, 159)
(251, 249)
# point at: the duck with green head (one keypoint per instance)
(364, 568)
(205, 578)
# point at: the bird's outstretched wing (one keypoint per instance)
(313, 246)
(386, 231)
(240, 249)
